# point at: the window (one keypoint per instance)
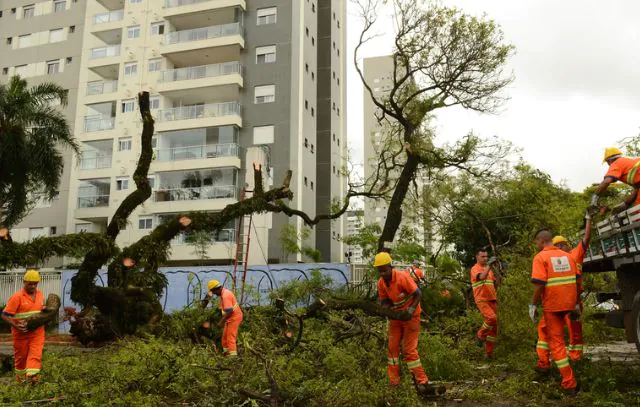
(145, 222)
(267, 16)
(72, 29)
(56, 35)
(263, 135)
(313, 76)
(124, 144)
(53, 67)
(135, 1)
(306, 67)
(69, 60)
(307, 31)
(338, 110)
(83, 227)
(312, 149)
(35, 232)
(306, 142)
(154, 102)
(29, 11)
(312, 185)
(338, 52)
(157, 28)
(305, 181)
(338, 81)
(59, 6)
(53, 231)
(155, 65)
(313, 112)
(154, 142)
(338, 23)
(306, 104)
(266, 55)
(334, 74)
(21, 70)
(130, 69)
(24, 41)
(333, 106)
(265, 94)
(334, 136)
(0, 13)
(133, 31)
(338, 141)
(5, 71)
(313, 7)
(334, 15)
(9, 40)
(313, 41)
(13, 10)
(128, 106)
(122, 183)
(152, 181)
(334, 45)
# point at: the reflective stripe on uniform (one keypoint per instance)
(32, 372)
(575, 347)
(235, 307)
(491, 339)
(481, 283)
(485, 325)
(232, 353)
(562, 363)
(20, 371)
(542, 345)
(23, 315)
(393, 361)
(402, 301)
(554, 281)
(412, 364)
(632, 173)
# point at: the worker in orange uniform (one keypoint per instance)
(416, 272)
(231, 316)
(623, 169)
(27, 346)
(398, 291)
(484, 284)
(554, 275)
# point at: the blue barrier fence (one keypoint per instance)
(189, 284)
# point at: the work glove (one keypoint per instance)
(594, 203)
(621, 207)
(532, 312)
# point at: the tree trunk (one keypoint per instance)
(394, 213)
(48, 314)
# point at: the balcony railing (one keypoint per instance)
(190, 194)
(199, 111)
(205, 33)
(98, 123)
(178, 3)
(93, 161)
(221, 236)
(199, 72)
(101, 87)
(195, 152)
(104, 52)
(107, 17)
(93, 201)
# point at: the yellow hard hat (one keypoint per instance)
(382, 259)
(559, 239)
(32, 276)
(213, 284)
(610, 152)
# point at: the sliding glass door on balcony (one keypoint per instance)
(196, 185)
(94, 193)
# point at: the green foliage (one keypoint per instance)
(201, 241)
(406, 248)
(32, 131)
(293, 243)
(302, 291)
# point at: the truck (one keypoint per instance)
(615, 247)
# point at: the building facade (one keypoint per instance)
(355, 221)
(43, 42)
(232, 82)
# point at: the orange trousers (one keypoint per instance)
(27, 353)
(551, 340)
(575, 347)
(405, 332)
(488, 332)
(230, 335)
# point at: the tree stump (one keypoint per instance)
(48, 314)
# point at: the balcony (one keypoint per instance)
(109, 16)
(94, 201)
(196, 193)
(220, 236)
(225, 77)
(199, 115)
(196, 152)
(107, 55)
(225, 35)
(101, 87)
(200, 72)
(98, 123)
(93, 161)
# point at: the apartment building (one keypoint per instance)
(355, 221)
(232, 82)
(42, 42)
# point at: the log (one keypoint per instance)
(48, 314)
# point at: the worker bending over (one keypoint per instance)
(27, 346)
(623, 169)
(484, 284)
(554, 276)
(398, 291)
(231, 316)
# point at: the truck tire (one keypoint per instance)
(635, 314)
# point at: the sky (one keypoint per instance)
(576, 89)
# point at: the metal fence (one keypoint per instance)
(11, 282)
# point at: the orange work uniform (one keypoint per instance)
(625, 169)
(400, 292)
(484, 293)
(416, 274)
(574, 326)
(27, 346)
(557, 272)
(229, 304)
